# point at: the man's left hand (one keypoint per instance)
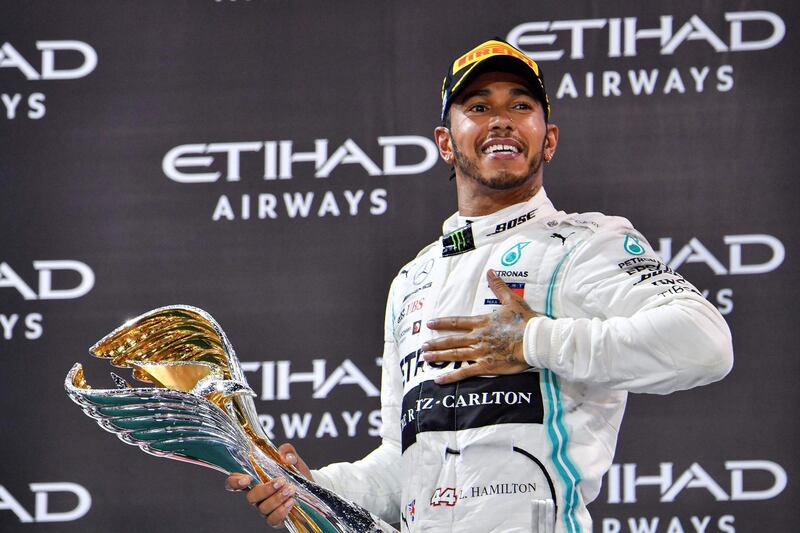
(492, 342)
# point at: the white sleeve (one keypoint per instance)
(650, 330)
(374, 482)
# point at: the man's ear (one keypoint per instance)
(441, 136)
(551, 140)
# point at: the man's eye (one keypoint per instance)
(478, 108)
(523, 105)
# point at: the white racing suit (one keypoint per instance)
(527, 452)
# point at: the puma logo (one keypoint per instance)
(563, 239)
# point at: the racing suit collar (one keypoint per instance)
(457, 240)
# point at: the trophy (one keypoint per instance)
(199, 409)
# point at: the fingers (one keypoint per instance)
(277, 508)
(449, 342)
(291, 457)
(463, 323)
(468, 353)
(453, 348)
(236, 482)
(273, 499)
(462, 373)
(280, 515)
(499, 287)
(264, 491)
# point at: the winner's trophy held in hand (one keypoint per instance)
(199, 409)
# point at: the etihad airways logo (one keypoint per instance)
(765, 480)
(52, 60)
(62, 279)
(741, 481)
(192, 163)
(277, 378)
(618, 37)
(769, 248)
(42, 510)
(272, 162)
(552, 40)
(48, 50)
(283, 380)
(44, 289)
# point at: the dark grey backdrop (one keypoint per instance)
(704, 168)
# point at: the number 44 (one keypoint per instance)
(444, 496)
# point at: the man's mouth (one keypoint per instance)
(501, 148)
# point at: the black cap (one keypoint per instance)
(494, 55)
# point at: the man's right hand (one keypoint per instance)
(275, 498)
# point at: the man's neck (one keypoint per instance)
(475, 199)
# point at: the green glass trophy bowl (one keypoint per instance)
(199, 409)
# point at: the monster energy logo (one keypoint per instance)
(458, 242)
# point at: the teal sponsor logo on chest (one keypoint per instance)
(511, 256)
(632, 246)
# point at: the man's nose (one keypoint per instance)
(501, 119)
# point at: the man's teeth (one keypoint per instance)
(501, 148)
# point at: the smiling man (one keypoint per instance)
(512, 341)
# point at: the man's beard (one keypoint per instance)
(501, 181)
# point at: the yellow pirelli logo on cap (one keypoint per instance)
(490, 49)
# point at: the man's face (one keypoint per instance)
(497, 132)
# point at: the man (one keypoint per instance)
(504, 415)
